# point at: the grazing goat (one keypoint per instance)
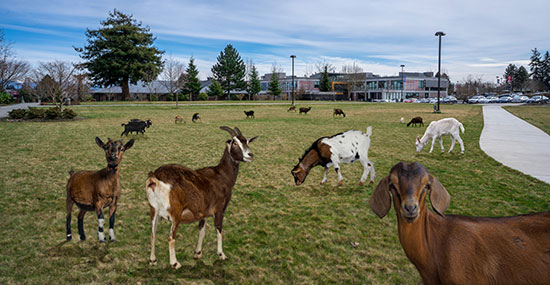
(338, 112)
(448, 249)
(402, 120)
(436, 129)
(292, 108)
(416, 120)
(183, 195)
(179, 119)
(135, 125)
(249, 114)
(341, 148)
(95, 190)
(195, 118)
(304, 110)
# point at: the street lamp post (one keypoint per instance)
(293, 57)
(402, 81)
(439, 34)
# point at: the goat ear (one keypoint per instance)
(380, 201)
(252, 139)
(99, 142)
(439, 197)
(129, 144)
(418, 139)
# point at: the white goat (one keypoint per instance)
(436, 129)
(402, 120)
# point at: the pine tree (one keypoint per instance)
(536, 66)
(521, 77)
(274, 84)
(230, 70)
(324, 84)
(511, 70)
(546, 70)
(192, 84)
(254, 85)
(215, 89)
(119, 52)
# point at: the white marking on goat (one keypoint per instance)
(244, 150)
(160, 199)
(101, 222)
(220, 250)
(112, 234)
(198, 249)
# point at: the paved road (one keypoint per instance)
(5, 109)
(515, 143)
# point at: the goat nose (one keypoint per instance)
(251, 155)
(411, 208)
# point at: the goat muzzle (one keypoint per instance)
(410, 211)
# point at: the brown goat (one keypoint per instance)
(458, 249)
(292, 108)
(95, 190)
(338, 112)
(416, 120)
(304, 110)
(179, 119)
(183, 195)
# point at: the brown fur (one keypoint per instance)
(292, 108)
(203, 192)
(95, 190)
(304, 110)
(339, 112)
(318, 154)
(179, 119)
(416, 120)
(457, 249)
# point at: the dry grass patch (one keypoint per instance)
(539, 116)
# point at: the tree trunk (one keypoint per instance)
(125, 90)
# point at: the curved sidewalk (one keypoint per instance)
(515, 143)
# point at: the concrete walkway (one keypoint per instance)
(4, 110)
(515, 143)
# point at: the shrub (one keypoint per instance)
(53, 113)
(36, 113)
(17, 114)
(5, 98)
(202, 97)
(183, 97)
(169, 97)
(154, 97)
(68, 114)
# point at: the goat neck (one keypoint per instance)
(311, 159)
(418, 240)
(228, 166)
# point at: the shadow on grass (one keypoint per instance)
(196, 270)
(79, 249)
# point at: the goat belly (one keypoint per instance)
(159, 198)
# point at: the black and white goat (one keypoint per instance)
(183, 195)
(94, 190)
(341, 148)
(436, 129)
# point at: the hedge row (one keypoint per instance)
(41, 113)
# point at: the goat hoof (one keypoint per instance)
(69, 237)
(153, 262)
(340, 183)
(112, 240)
(361, 183)
(371, 182)
(197, 255)
(322, 182)
(222, 256)
(82, 238)
(176, 265)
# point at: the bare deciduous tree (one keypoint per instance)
(173, 76)
(56, 81)
(11, 69)
(354, 76)
(148, 80)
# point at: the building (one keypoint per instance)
(417, 85)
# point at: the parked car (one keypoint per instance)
(519, 99)
(474, 100)
(409, 100)
(449, 100)
(492, 99)
(423, 100)
(538, 99)
(482, 100)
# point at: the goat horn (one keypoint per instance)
(229, 130)
(238, 131)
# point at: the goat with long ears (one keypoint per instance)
(183, 195)
(95, 190)
(448, 249)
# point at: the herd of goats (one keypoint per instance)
(446, 249)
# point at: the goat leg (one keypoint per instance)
(112, 213)
(172, 244)
(100, 222)
(218, 222)
(202, 231)
(154, 222)
(68, 221)
(81, 224)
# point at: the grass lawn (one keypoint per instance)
(274, 232)
(538, 115)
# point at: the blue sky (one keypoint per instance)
(483, 37)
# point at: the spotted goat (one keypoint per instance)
(183, 195)
(345, 147)
(449, 249)
(94, 190)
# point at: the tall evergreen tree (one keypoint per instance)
(274, 84)
(119, 52)
(215, 89)
(230, 70)
(192, 84)
(324, 84)
(254, 85)
(521, 77)
(546, 70)
(536, 66)
(511, 70)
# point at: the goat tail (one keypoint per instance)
(123, 124)
(151, 182)
(71, 172)
(461, 127)
(369, 131)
